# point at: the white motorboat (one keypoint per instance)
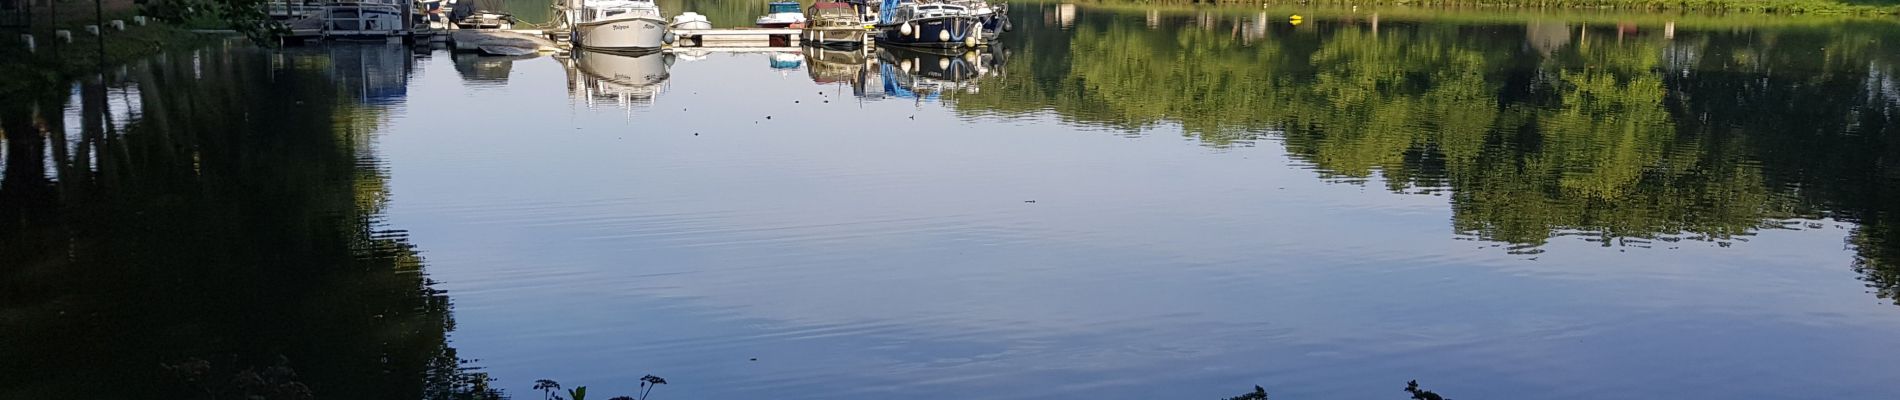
(616, 25)
(486, 20)
(782, 14)
(691, 20)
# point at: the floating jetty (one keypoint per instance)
(734, 37)
(502, 42)
(730, 49)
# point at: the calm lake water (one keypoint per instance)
(1114, 204)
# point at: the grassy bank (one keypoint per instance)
(1865, 7)
(55, 63)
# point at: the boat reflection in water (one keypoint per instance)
(479, 69)
(787, 60)
(927, 73)
(375, 74)
(621, 79)
(842, 66)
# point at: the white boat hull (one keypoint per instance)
(691, 20)
(781, 20)
(637, 33)
(695, 25)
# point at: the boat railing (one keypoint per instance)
(933, 10)
(292, 9)
(833, 16)
(638, 10)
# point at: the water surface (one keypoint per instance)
(1114, 203)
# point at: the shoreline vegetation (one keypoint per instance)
(1500, 15)
(54, 64)
(1714, 7)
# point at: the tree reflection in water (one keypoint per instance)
(211, 230)
(1609, 132)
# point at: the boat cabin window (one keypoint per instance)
(775, 8)
(605, 13)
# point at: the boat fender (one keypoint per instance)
(906, 30)
(904, 65)
(943, 35)
(943, 63)
(669, 37)
(969, 41)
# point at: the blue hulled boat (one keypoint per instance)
(994, 15)
(932, 24)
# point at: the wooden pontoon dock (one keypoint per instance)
(729, 36)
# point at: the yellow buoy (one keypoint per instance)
(1295, 19)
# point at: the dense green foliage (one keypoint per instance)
(247, 17)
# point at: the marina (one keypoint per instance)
(639, 25)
